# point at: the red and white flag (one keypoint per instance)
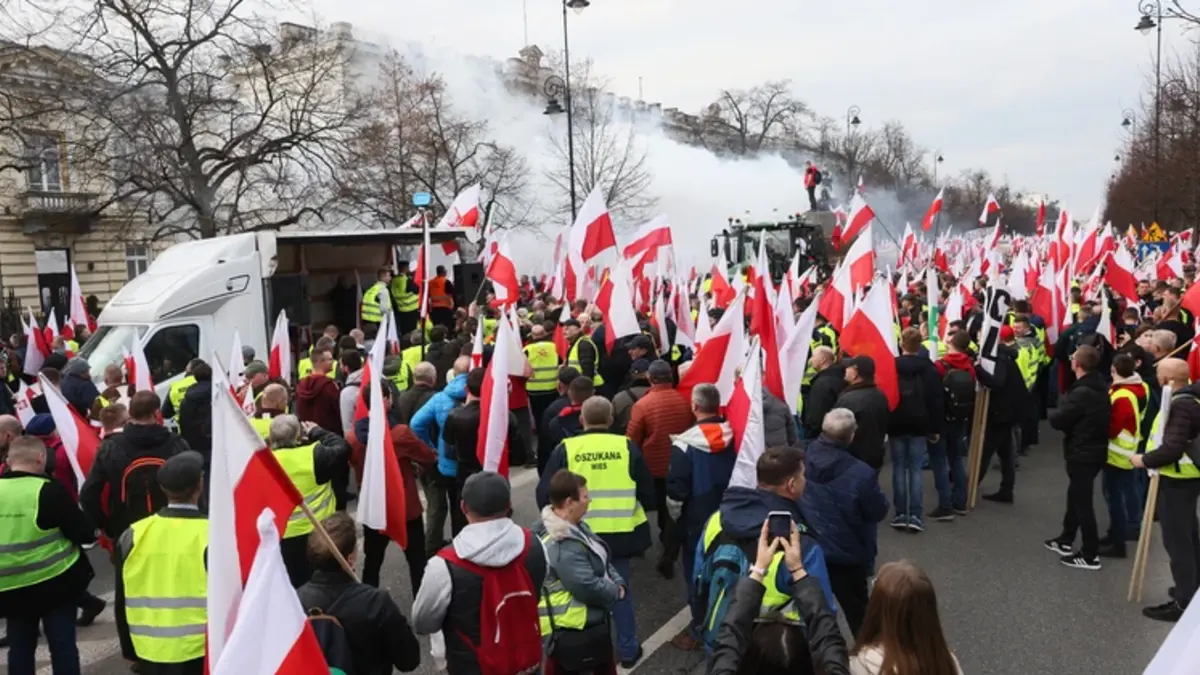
(649, 239)
(1193, 357)
(871, 332)
(794, 355)
(37, 350)
(492, 442)
(592, 233)
(717, 361)
(237, 363)
(279, 363)
(79, 313)
(1118, 274)
(24, 402)
(762, 325)
(860, 260)
(477, 345)
(271, 633)
(992, 206)
(560, 336)
(908, 248)
(464, 212)
(745, 414)
(1106, 327)
(381, 504)
(860, 217)
(934, 209)
(78, 437)
(502, 272)
(245, 479)
(137, 371)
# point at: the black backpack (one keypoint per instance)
(911, 411)
(959, 386)
(140, 492)
(817, 177)
(332, 637)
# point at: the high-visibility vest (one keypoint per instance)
(262, 425)
(305, 368)
(569, 613)
(828, 337)
(298, 463)
(489, 327)
(543, 358)
(773, 601)
(375, 302)
(603, 459)
(573, 360)
(403, 377)
(166, 586)
(438, 297)
(1125, 445)
(1185, 468)
(177, 391)
(405, 301)
(1029, 361)
(411, 356)
(28, 554)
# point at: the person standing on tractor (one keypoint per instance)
(812, 178)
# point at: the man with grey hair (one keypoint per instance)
(312, 458)
(621, 492)
(702, 460)
(10, 429)
(1162, 343)
(843, 501)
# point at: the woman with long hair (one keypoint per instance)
(901, 633)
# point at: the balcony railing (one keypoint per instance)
(56, 202)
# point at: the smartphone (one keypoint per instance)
(779, 524)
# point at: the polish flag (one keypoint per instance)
(36, 349)
(464, 212)
(992, 206)
(1170, 266)
(1193, 357)
(79, 313)
(722, 291)
(745, 414)
(1047, 300)
(237, 366)
(1017, 277)
(794, 355)
(78, 437)
(477, 344)
(51, 327)
(502, 272)
(270, 633)
(648, 239)
(1041, 218)
(245, 480)
(685, 327)
(861, 216)
(1118, 274)
(934, 209)
(871, 332)
(592, 233)
(722, 351)
(24, 401)
(492, 442)
(837, 303)
(860, 260)
(660, 320)
(560, 336)
(908, 247)
(615, 301)
(279, 364)
(954, 312)
(1087, 248)
(381, 497)
(137, 371)
(762, 326)
(704, 327)
(1105, 327)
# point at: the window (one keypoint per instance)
(170, 349)
(45, 172)
(137, 259)
(107, 345)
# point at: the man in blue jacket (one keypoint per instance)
(844, 504)
(441, 490)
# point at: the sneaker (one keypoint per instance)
(1056, 546)
(916, 524)
(942, 515)
(1000, 497)
(1078, 561)
(900, 522)
(960, 510)
(1169, 612)
(1113, 551)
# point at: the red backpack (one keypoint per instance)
(510, 637)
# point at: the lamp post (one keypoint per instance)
(1129, 121)
(1152, 19)
(937, 159)
(556, 86)
(852, 118)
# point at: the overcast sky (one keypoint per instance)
(1031, 90)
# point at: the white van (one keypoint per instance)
(196, 294)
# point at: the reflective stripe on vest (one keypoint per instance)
(178, 390)
(373, 303)
(543, 359)
(165, 585)
(28, 554)
(573, 359)
(298, 463)
(568, 612)
(773, 601)
(405, 301)
(603, 459)
(1124, 446)
(1185, 468)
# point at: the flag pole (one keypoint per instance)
(1142, 554)
(327, 540)
(424, 308)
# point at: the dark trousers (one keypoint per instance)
(375, 546)
(1081, 513)
(458, 519)
(437, 507)
(295, 558)
(193, 667)
(1180, 532)
(442, 316)
(519, 456)
(812, 197)
(538, 403)
(406, 323)
(1124, 504)
(59, 626)
(668, 534)
(998, 440)
(552, 668)
(849, 584)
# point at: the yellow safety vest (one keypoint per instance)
(166, 585)
(28, 554)
(405, 301)
(603, 459)
(305, 368)
(489, 327)
(1029, 361)
(298, 463)
(1125, 445)
(573, 359)
(178, 390)
(773, 601)
(1185, 468)
(411, 356)
(403, 377)
(543, 359)
(262, 425)
(569, 613)
(828, 337)
(374, 303)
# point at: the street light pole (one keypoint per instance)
(852, 118)
(578, 5)
(937, 159)
(1147, 22)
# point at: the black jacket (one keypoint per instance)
(870, 408)
(543, 425)
(411, 400)
(462, 433)
(442, 355)
(564, 425)
(925, 375)
(80, 392)
(330, 457)
(113, 457)
(1181, 430)
(1082, 415)
(822, 396)
(195, 419)
(825, 641)
(56, 510)
(379, 635)
(1008, 398)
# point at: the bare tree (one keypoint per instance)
(746, 121)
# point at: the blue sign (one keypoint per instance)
(1146, 248)
(421, 199)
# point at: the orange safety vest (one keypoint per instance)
(437, 294)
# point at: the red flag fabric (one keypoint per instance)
(1118, 274)
(279, 364)
(592, 233)
(870, 332)
(1191, 299)
(860, 217)
(78, 437)
(934, 209)
(717, 362)
(492, 441)
(381, 499)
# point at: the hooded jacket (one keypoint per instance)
(870, 408)
(113, 457)
(1008, 398)
(348, 398)
(842, 500)
(319, 401)
(195, 419)
(827, 385)
(779, 427)
(702, 460)
(1083, 415)
(430, 420)
(581, 560)
(80, 392)
(564, 425)
(922, 373)
(408, 451)
(449, 598)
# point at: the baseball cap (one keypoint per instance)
(487, 495)
(640, 366)
(182, 473)
(641, 342)
(1007, 333)
(256, 368)
(865, 366)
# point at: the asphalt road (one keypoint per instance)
(1006, 604)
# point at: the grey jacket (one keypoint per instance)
(349, 398)
(571, 559)
(779, 427)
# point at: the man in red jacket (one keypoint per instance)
(812, 178)
(318, 399)
(947, 452)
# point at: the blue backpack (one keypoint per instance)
(724, 564)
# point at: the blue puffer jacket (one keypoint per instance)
(430, 420)
(842, 502)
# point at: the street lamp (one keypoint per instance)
(937, 159)
(555, 86)
(1152, 19)
(852, 118)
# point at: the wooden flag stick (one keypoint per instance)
(975, 450)
(320, 530)
(1142, 554)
